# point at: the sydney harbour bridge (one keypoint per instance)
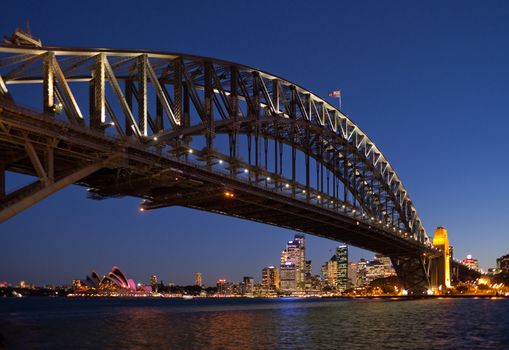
(176, 129)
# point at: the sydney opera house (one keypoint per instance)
(114, 283)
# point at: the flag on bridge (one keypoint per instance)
(336, 94)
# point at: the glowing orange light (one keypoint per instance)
(142, 209)
(229, 194)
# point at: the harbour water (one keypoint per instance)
(66, 323)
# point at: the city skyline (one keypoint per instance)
(339, 276)
(423, 127)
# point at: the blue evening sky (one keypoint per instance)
(428, 81)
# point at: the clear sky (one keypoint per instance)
(428, 81)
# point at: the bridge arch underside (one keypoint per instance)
(207, 134)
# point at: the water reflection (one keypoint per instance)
(255, 324)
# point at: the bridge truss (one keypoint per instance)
(176, 129)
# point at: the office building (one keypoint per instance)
(503, 263)
(270, 278)
(287, 278)
(471, 262)
(293, 262)
(198, 280)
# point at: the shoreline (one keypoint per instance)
(367, 297)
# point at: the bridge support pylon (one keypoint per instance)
(413, 272)
(440, 271)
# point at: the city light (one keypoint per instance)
(229, 194)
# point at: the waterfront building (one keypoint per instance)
(336, 269)
(386, 262)
(308, 275)
(288, 279)
(375, 269)
(270, 278)
(342, 262)
(153, 282)
(198, 280)
(471, 262)
(352, 274)
(115, 282)
(361, 273)
(503, 263)
(332, 272)
(76, 284)
(294, 254)
(247, 285)
(324, 275)
(225, 287)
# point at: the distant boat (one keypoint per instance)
(187, 297)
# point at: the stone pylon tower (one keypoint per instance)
(440, 267)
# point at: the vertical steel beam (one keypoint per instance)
(128, 91)
(208, 104)
(275, 95)
(48, 85)
(234, 102)
(98, 100)
(177, 93)
(234, 82)
(142, 94)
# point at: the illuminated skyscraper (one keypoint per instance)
(308, 275)
(288, 280)
(270, 278)
(342, 260)
(361, 273)
(335, 271)
(293, 262)
(352, 274)
(198, 281)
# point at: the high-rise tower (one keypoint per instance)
(293, 263)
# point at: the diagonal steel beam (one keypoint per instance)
(29, 200)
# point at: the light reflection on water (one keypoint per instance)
(41, 323)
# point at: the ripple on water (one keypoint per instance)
(39, 323)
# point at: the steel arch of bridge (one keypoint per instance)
(140, 123)
(227, 98)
